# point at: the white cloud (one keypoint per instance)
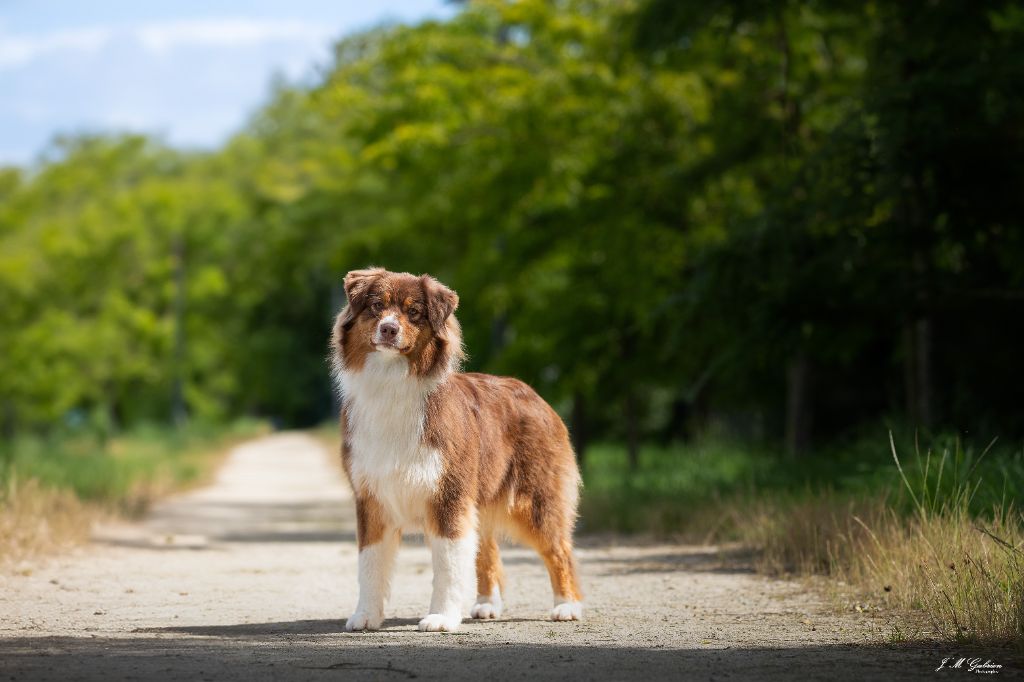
(19, 50)
(226, 33)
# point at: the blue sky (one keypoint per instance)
(188, 71)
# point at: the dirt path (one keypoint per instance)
(252, 577)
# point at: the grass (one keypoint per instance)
(936, 537)
(672, 489)
(53, 489)
(35, 520)
(957, 568)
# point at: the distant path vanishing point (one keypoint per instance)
(252, 577)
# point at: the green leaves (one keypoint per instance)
(646, 198)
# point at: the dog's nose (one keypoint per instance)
(388, 331)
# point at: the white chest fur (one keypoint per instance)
(386, 412)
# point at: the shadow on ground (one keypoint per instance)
(314, 650)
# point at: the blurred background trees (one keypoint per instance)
(784, 219)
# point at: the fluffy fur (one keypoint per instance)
(462, 456)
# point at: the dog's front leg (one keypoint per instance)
(378, 546)
(453, 559)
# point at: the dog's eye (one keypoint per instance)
(377, 307)
(415, 314)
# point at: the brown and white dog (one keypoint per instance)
(465, 457)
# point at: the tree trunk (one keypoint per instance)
(679, 420)
(923, 338)
(917, 371)
(8, 421)
(909, 370)
(178, 409)
(912, 211)
(578, 429)
(632, 433)
(8, 429)
(798, 408)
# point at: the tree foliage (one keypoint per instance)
(662, 213)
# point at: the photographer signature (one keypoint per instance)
(974, 665)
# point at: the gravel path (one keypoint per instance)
(252, 577)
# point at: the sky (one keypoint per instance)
(190, 72)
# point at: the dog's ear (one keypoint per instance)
(357, 286)
(441, 303)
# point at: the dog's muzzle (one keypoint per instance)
(388, 333)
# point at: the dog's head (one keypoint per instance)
(398, 314)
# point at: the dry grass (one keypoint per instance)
(960, 574)
(35, 520)
(964, 576)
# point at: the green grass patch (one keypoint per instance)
(123, 473)
(664, 494)
(691, 490)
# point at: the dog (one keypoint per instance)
(465, 457)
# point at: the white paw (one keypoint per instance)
(567, 610)
(487, 606)
(360, 620)
(485, 610)
(438, 622)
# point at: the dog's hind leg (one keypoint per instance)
(490, 578)
(549, 531)
(558, 558)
